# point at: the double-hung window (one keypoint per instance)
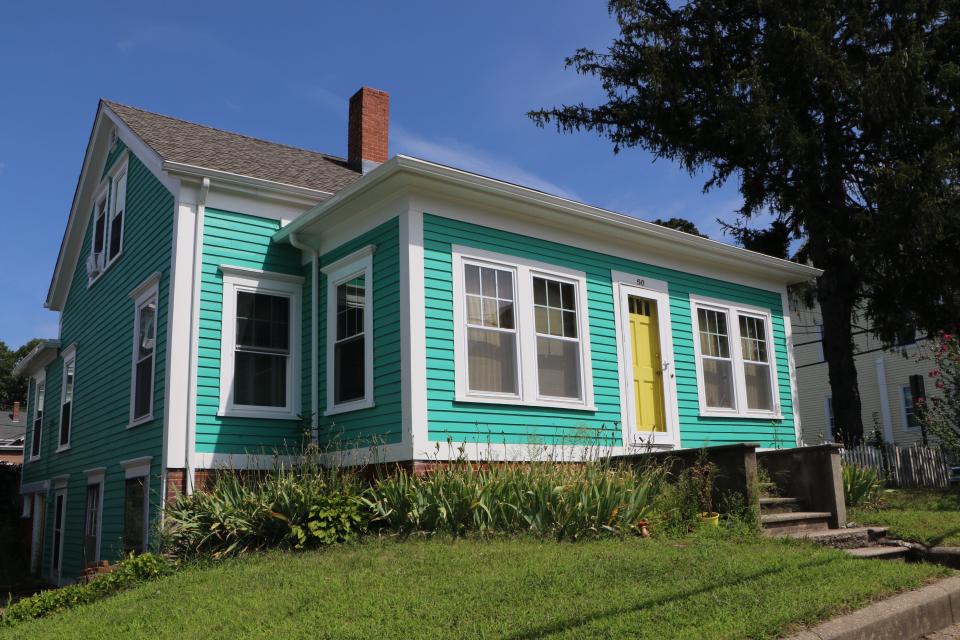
(260, 344)
(39, 398)
(735, 366)
(67, 393)
(144, 350)
(109, 212)
(520, 332)
(349, 345)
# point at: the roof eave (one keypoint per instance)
(40, 356)
(787, 271)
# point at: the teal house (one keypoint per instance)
(223, 299)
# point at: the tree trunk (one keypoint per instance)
(836, 293)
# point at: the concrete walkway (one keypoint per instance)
(952, 633)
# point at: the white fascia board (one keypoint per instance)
(40, 356)
(258, 185)
(614, 224)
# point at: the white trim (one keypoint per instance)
(136, 467)
(102, 195)
(625, 285)
(259, 274)
(733, 311)
(194, 359)
(358, 263)
(68, 355)
(262, 283)
(95, 477)
(314, 263)
(39, 486)
(792, 366)
(305, 194)
(523, 270)
(143, 295)
(903, 408)
(880, 367)
(39, 378)
(413, 340)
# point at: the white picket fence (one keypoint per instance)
(905, 467)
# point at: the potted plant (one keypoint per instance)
(703, 474)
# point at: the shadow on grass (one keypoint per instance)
(936, 541)
(557, 627)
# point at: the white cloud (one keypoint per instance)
(323, 97)
(462, 155)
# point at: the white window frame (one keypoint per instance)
(905, 392)
(733, 310)
(69, 355)
(108, 190)
(39, 379)
(119, 171)
(239, 279)
(358, 263)
(524, 271)
(95, 477)
(828, 415)
(145, 294)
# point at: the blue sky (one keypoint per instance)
(461, 77)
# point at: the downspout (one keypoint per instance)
(314, 357)
(191, 420)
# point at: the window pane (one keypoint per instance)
(718, 383)
(260, 379)
(263, 321)
(350, 307)
(570, 324)
(540, 314)
(348, 363)
(471, 273)
(90, 525)
(134, 504)
(753, 339)
(488, 282)
(100, 227)
(473, 310)
(558, 368)
(504, 285)
(506, 315)
(147, 331)
(494, 306)
(491, 312)
(713, 333)
(555, 308)
(539, 291)
(492, 361)
(759, 393)
(116, 234)
(143, 392)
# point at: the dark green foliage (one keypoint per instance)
(285, 508)
(838, 118)
(680, 224)
(13, 555)
(13, 388)
(128, 573)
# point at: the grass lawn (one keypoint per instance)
(928, 516)
(705, 586)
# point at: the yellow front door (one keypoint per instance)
(647, 373)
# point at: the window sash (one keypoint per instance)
(144, 358)
(117, 211)
(40, 396)
(134, 514)
(258, 380)
(67, 399)
(552, 305)
(349, 332)
(484, 381)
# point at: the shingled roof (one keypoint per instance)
(194, 144)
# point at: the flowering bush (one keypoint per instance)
(941, 415)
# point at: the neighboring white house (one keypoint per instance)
(884, 377)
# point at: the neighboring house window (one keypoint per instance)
(818, 324)
(39, 398)
(350, 332)
(909, 410)
(117, 211)
(135, 515)
(144, 350)
(831, 426)
(67, 397)
(520, 332)
(735, 367)
(260, 344)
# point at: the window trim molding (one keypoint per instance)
(96, 477)
(733, 309)
(524, 271)
(56, 573)
(237, 279)
(108, 190)
(39, 378)
(144, 293)
(358, 263)
(103, 193)
(903, 408)
(67, 355)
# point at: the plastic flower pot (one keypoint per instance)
(711, 519)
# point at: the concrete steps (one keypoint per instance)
(775, 524)
(779, 505)
(880, 552)
(851, 538)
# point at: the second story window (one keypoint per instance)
(109, 213)
(117, 209)
(67, 394)
(144, 350)
(39, 398)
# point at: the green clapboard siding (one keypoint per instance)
(99, 321)
(380, 424)
(242, 240)
(474, 422)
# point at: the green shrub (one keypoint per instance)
(126, 574)
(286, 508)
(563, 501)
(860, 485)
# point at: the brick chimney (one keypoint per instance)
(367, 129)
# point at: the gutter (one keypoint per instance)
(620, 222)
(314, 357)
(23, 365)
(194, 171)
